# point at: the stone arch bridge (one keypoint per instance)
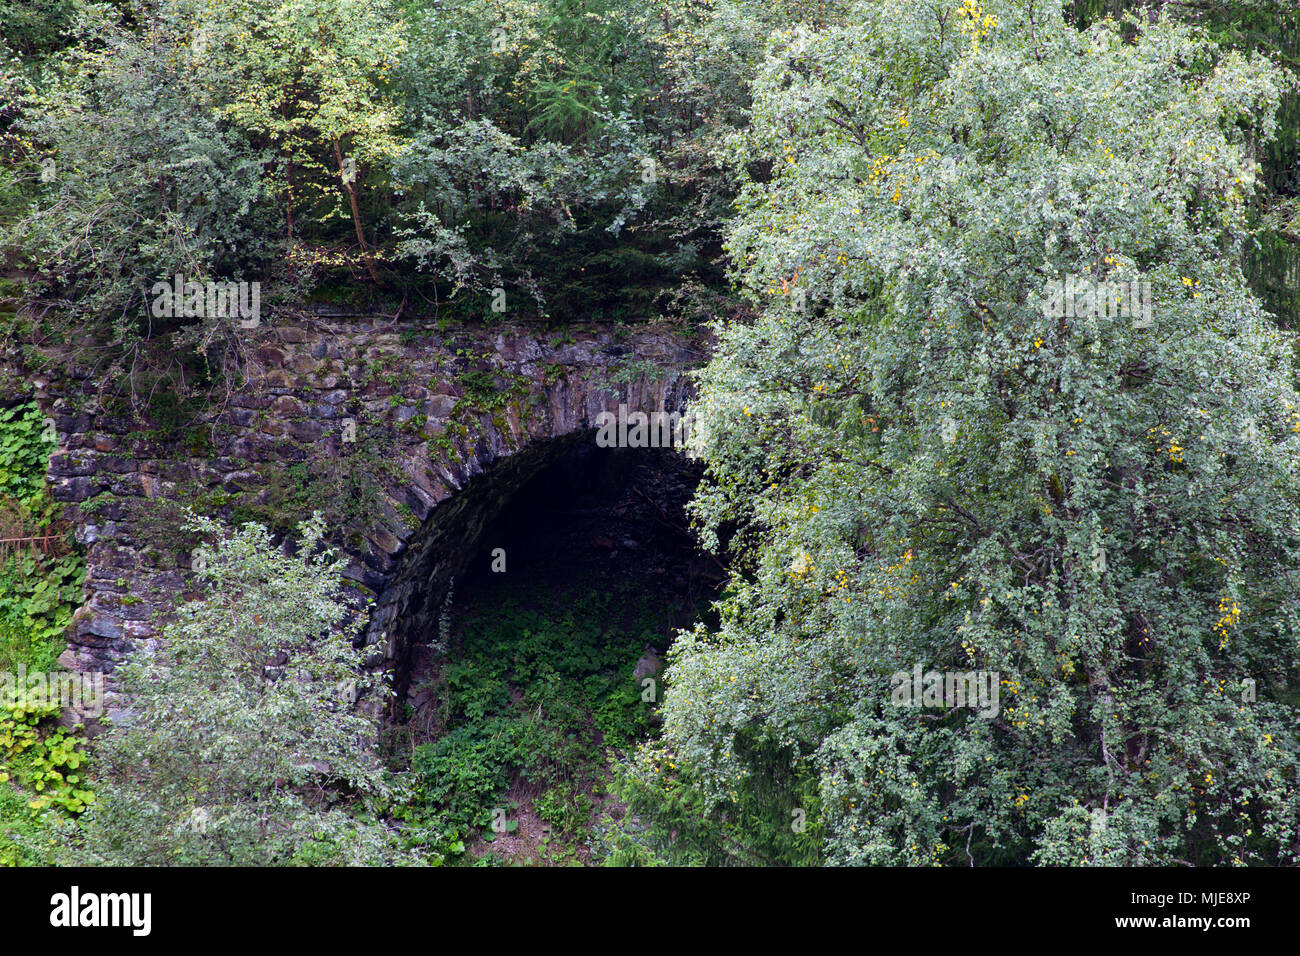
(419, 435)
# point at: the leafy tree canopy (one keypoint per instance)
(931, 467)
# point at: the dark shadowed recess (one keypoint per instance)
(567, 515)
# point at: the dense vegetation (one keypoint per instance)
(912, 460)
(377, 151)
(537, 693)
(939, 470)
(40, 585)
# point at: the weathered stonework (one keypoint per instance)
(462, 419)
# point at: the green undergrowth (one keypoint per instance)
(41, 765)
(40, 580)
(534, 700)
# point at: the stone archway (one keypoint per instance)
(444, 408)
(526, 501)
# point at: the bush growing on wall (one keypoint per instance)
(243, 744)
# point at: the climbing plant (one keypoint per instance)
(40, 586)
(40, 575)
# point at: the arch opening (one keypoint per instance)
(538, 657)
(563, 515)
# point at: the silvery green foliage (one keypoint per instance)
(147, 185)
(528, 117)
(242, 744)
(928, 468)
(462, 168)
(202, 139)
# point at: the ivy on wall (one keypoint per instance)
(40, 586)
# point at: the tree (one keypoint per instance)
(530, 129)
(1271, 27)
(295, 142)
(307, 79)
(243, 744)
(930, 466)
(134, 184)
(34, 26)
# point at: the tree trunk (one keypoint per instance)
(351, 187)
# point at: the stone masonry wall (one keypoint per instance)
(399, 420)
